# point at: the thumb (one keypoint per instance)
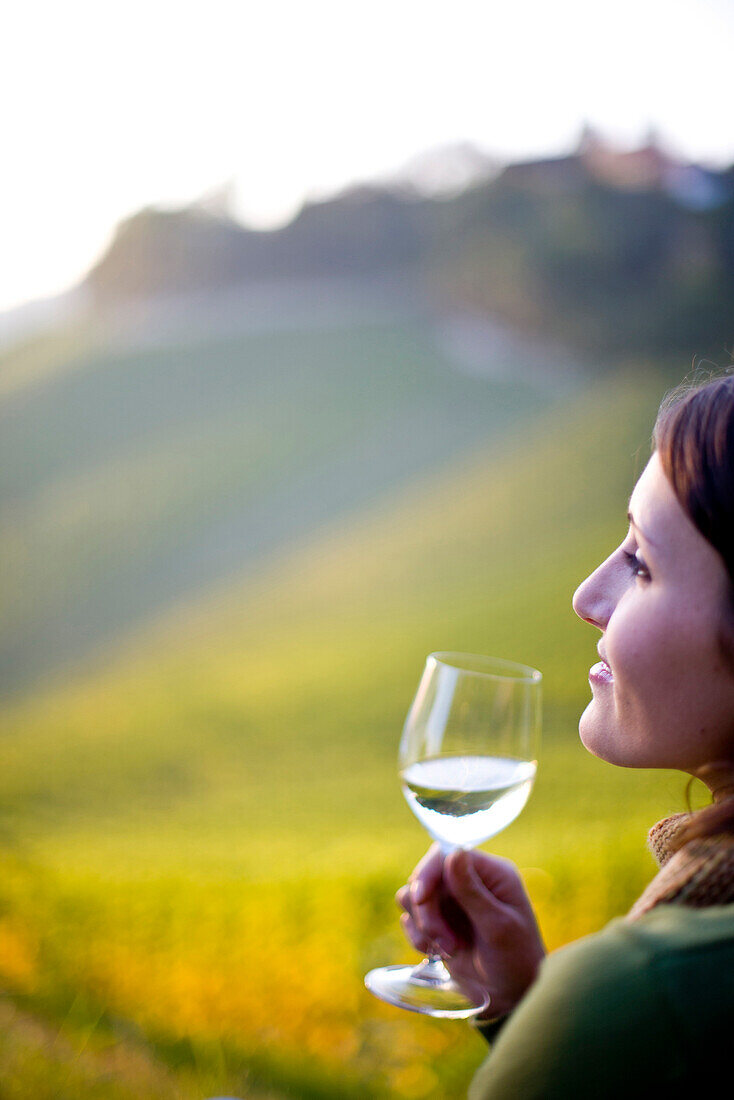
(501, 877)
(470, 889)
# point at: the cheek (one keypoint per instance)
(658, 656)
(669, 676)
(637, 641)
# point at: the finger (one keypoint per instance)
(419, 941)
(448, 923)
(426, 894)
(402, 898)
(426, 878)
(430, 915)
(453, 915)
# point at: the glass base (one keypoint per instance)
(427, 988)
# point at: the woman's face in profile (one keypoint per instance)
(663, 693)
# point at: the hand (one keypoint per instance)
(472, 909)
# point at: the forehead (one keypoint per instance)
(653, 504)
(665, 526)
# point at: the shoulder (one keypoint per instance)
(668, 938)
(670, 969)
(637, 1002)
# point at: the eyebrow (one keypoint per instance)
(649, 541)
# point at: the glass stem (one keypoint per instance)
(432, 969)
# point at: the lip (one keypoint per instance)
(601, 673)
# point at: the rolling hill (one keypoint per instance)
(131, 475)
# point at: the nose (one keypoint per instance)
(594, 599)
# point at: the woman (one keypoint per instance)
(646, 1006)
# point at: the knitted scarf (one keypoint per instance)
(699, 874)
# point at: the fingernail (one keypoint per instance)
(459, 859)
(418, 891)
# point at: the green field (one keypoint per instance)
(201, 823)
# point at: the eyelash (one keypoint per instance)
(637, 567)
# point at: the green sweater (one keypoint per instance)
(643, 1008)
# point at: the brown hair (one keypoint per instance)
(694, 437)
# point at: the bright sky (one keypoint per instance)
(111, 106)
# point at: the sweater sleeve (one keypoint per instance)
(593, 1025)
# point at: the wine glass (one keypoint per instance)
(467, 764)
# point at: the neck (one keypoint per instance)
(718, 777)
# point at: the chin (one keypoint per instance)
(599, 735)
(604, 736)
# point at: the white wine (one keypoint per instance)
(464, 800)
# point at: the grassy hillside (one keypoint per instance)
(204, 833)
(130, 479)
